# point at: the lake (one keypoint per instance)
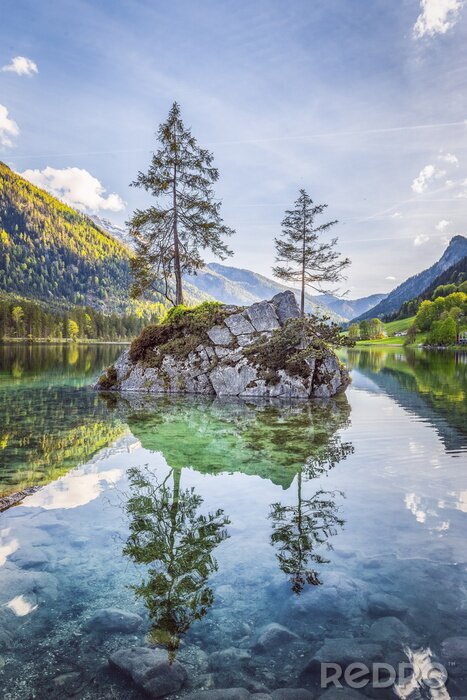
(249, 541)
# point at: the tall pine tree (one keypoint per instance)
(170, 235)
(303, 256)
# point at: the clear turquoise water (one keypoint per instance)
(213, 518)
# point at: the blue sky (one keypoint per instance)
(362, 103)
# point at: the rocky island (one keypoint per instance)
(264, 350)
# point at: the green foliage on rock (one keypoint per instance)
(180, 332)
(293, 346)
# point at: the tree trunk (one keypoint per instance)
(302, 300)
(177, 270)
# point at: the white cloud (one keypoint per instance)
(429, 172)
(21, 66)
(396, 215)
(420, 239)
(420, 183)
(8, 128)
(449, 158)
(442, 225)
(76, 187)
(436, 17)
(390, 278)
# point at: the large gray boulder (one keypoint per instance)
(150, 670)
(286, 306)
(343, 651)
(245, 352)
(113, 620)
(263, 316)
(273, 636)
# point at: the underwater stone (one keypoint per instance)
(113, 620)
(221, 660)
(383, 604)
(342, 694)
(220, 694)
(454, 654)
(150, 670)
(291, 694)
(274, 635)
(343, 651)
(390, 630)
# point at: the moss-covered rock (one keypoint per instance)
(265, 350)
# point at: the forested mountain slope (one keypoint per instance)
(50, 252)
(416, 285)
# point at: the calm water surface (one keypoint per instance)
(212, 519)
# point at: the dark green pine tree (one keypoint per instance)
(303, 256)
(185, 219)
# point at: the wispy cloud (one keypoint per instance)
(420, 183)
(420, 239)
(76, 187)
(436, 17)
(8, 128)
(21, 66)
(390, 278)
(443, 225)
(450, 158)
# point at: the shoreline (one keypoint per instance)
(61, 341)
(15, 498)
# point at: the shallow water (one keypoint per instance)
(212, 519)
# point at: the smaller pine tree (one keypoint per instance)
(303, 257)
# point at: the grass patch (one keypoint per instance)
(180, 332)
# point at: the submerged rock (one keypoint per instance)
(390, 631)
(265, 350)
(228, 658)
(454, 655)
(221, 694)
(150, 670)
(291, 694)
(384, 604)
(113, 620)
(341, 694)
(272, 636)
(343, 651)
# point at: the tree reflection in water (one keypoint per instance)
(175, 541)
(302, 530)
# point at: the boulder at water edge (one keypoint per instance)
(264, 350)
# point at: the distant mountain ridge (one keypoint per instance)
(349, 308)
(417, 284)
(234, 285)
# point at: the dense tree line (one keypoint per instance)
(452, 280)
(367, 330)
(27, 319)
(443, 317)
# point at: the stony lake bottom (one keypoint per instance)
(252, 539)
